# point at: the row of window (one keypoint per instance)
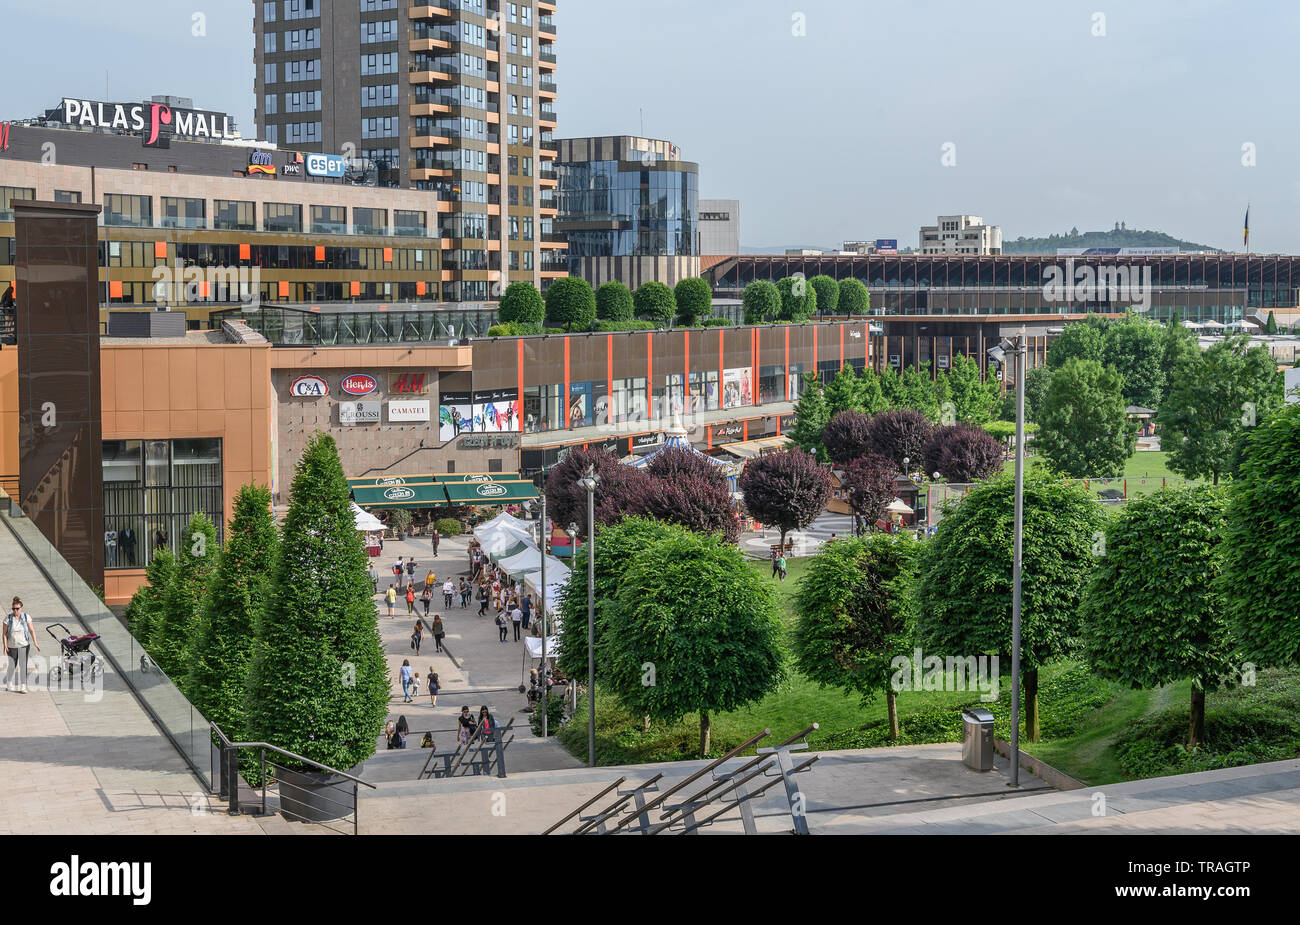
(305, 101)
(294, 71)
(266, 256)
(239, 214)
(295, 133)
(293, 40)
(122, 293)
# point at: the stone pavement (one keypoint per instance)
(87, 763)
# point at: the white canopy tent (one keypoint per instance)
(504, 522)
(1211, 325)
(534, 644)
(529, 559)
(365, 521)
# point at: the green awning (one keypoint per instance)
(474, 477)
(502, 492)
(371, 481)
(427, 494)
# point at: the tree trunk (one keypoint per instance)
(705, 734)
(891, 700)
(1030, 697)
(1196, 729)
(645, 723)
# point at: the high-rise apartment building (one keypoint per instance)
(454, 97)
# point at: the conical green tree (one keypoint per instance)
(222, 656)
(146, 603)
(811, 415)
(319, 686)
(172, 633)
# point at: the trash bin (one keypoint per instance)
(977, 739)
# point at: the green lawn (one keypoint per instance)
(1144, 471)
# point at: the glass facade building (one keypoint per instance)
(613, 208)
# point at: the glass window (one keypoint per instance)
(300, 9)
(269, 103)
(370, 6)
(282, 216)
(329, 219)
(9, 193)
(629, 402)
(409, 223)
(182, 213)
(370, 221)
(301, 39)
(379, 95)
(383, 30)
(301, 132)
(268, 42)
(379, 64)
(67, 195)
(268, 72)
(305, 101)
(302, 70)
(135, 211)
(234, 215)
(151, 489)
(268, 11)
(771, 384)
(544, 408)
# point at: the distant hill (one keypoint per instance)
(1118, 237)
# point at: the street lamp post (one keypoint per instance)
(1018, 348)
(589, 482)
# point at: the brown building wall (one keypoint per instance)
(170, 391)
(9, 421)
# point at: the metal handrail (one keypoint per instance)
(585, 805)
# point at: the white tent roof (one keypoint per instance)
(504, 521)
(366, 521)
(1211, 323)
(529, 559)
(534, 644)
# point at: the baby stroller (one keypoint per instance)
(75, 653)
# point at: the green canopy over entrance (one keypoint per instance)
(502, 492)
(427, 494)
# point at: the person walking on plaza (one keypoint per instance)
(374, 578)
(410, 599)
(526, 605)
(18, 636)
(406, 680)
(410, 570)
(448, 592)
(438, 632)
(391, 597)
(464, 594)
(399, 572)
(417, 636)
(483, 599)
(501, 627)
(775, 566)
(434, 539)
(516, 618)
(433, 686)
(417, 687)
(427, 597)
(430, 578)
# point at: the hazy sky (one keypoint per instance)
(839, 133)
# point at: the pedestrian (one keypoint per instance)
(427, 597)
(433, 686)
(410, 599)
(417, 636)
(501, 627)
(464, 594)
(438, 632)
(482, 599)
(775, 567)
(402, 730)
(398, 571)
(391, 597)
(18, 636)
(466, 723)
(516, 617)
(410, 570)
(430, 578)
(374, 578)
(526, 605)
(448, 592)
(406, 680)
(390, 734)
(435, 539)
(485, 724)
(781, 565)
(416, 686)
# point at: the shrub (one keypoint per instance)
(570, 302)
(610, 326)
(854, 297)
(655, 302)
(554, 715)
(614, 302)
(762, 302)
(522, 303)
(694, 300)
(514, 329)
(449, 526)
(715, 322)
(400, 520)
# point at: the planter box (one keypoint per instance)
(314, 796)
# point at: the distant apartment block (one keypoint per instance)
(961, 234)
(719, 226)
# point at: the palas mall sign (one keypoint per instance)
(155, 122)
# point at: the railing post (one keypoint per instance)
(231, 776)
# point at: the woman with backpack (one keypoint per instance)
(410, 600)
(433, 686)
(427, 596)
(438, 632)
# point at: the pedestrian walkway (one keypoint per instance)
(89, 763)
(806, 542)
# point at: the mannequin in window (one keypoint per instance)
(159, 539)
(126, 539)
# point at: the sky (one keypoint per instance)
(830, 119)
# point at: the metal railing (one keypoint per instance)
(489, 755)
(230, 780)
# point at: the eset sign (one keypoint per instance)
(326, 165)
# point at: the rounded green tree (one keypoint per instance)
(1084, 429)
(853, 623)
(964, 591)
(798, 298)
(654, 302)
(1152, 612)
(854, 297)
(221, 658)
(694, 300)
(761, 301)
(614, 302)
(521, 303)
(570, 302)
(693, 629)
(172, 634)
(319, 686)
(828, 293)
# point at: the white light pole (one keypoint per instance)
(589, 482)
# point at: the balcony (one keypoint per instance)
(546, 57)
(546, 24)
(546, 86)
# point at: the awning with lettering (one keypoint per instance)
(426, 494)
(502, 492)
(385, 480)
(475, 477)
